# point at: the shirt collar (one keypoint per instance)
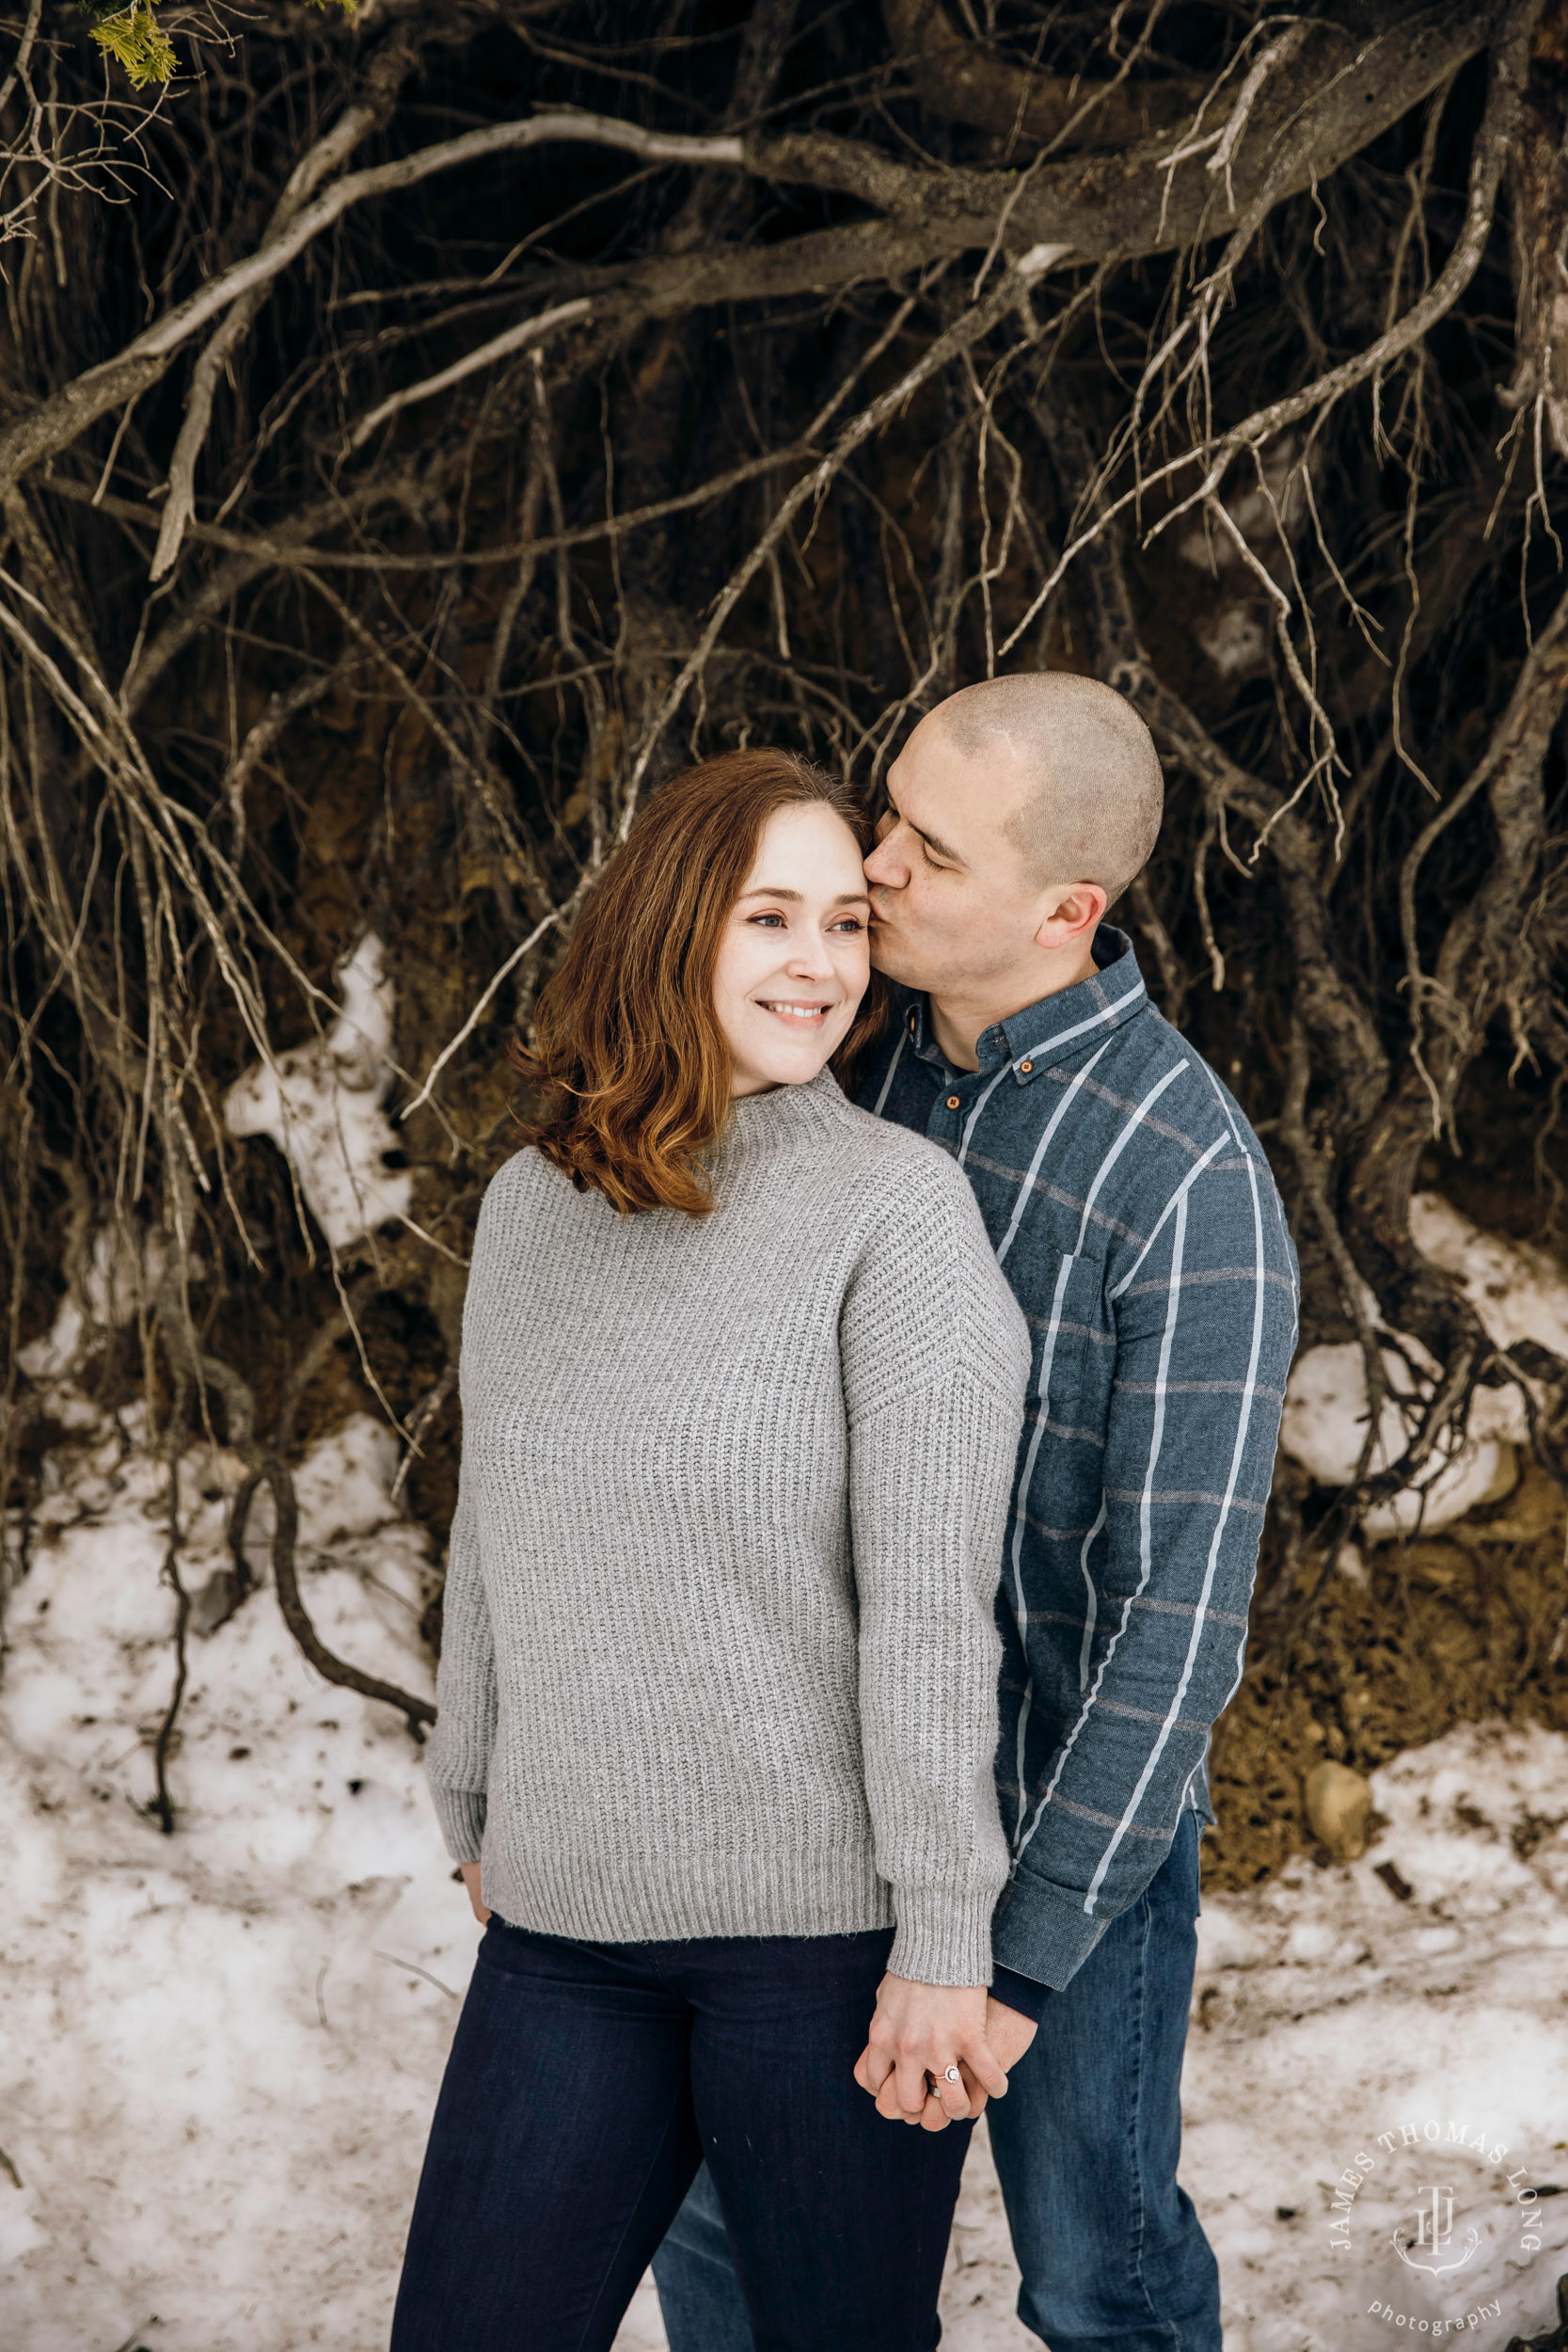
(1034, 1038)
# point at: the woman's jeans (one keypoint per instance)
(586, 2084)
(1087, 2140)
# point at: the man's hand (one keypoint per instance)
(919, 2031)
(470, 1880)
(1008, 2032)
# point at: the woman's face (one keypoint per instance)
(794, 961)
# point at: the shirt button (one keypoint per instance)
(1027, 1067)
(952, 1102)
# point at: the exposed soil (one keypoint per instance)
(1444, 1629)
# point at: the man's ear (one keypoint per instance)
(1073, 912)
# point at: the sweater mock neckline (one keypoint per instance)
(759, 1123)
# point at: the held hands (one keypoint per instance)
(918, 2031)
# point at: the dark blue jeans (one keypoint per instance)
(1087, 2140)
(586, 2084)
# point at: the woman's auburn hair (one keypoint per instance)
(632, 1068)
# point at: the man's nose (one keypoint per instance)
(884, 864)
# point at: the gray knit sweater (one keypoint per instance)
(718, 1656)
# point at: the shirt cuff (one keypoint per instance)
(1024, 1994)
(460, 1813)
(1043, 1932)
(941, 1939)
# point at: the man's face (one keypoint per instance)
(953, 909)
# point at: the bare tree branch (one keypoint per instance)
(958, 81)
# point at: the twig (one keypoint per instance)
(314, 166)
(516, 339)
(420, 1421)
(415, 1970)
(164, 1801)
(418, 1711)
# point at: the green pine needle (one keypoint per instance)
(134, 38)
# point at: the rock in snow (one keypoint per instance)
(1338, 1806)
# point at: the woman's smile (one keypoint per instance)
(809, 1016)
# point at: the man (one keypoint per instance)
(1133, 1212)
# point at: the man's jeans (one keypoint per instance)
(1113, 2256)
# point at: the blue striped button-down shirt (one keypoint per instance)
(1135, 1216)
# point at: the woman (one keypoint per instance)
(741, 1392)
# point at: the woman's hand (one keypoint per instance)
(921, 2030)
(470, 1880)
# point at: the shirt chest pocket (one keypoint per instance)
(1075, 1351)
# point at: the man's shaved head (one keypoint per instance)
(1094, 793)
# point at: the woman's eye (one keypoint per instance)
(775, 920)
(849, 922)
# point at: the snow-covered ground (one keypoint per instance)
(218, 2050)
(1518, 1292)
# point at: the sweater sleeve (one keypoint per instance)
(936, 1360)
(457, 1757)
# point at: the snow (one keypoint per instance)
(1236, 641)
(1236, 634)
(117, 1281)
(218, 2055)
(1332, 2013)
(1518, 1293)
(219, 2051)
(1259, 511)
(322, 1107)
(1325, 1421)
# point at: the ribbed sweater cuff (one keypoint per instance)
(941, 1939)
(461, 1815)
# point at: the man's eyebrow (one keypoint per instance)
(845, 899)
(929, 838)
(941, 846)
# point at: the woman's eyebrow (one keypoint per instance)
(845, 899)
